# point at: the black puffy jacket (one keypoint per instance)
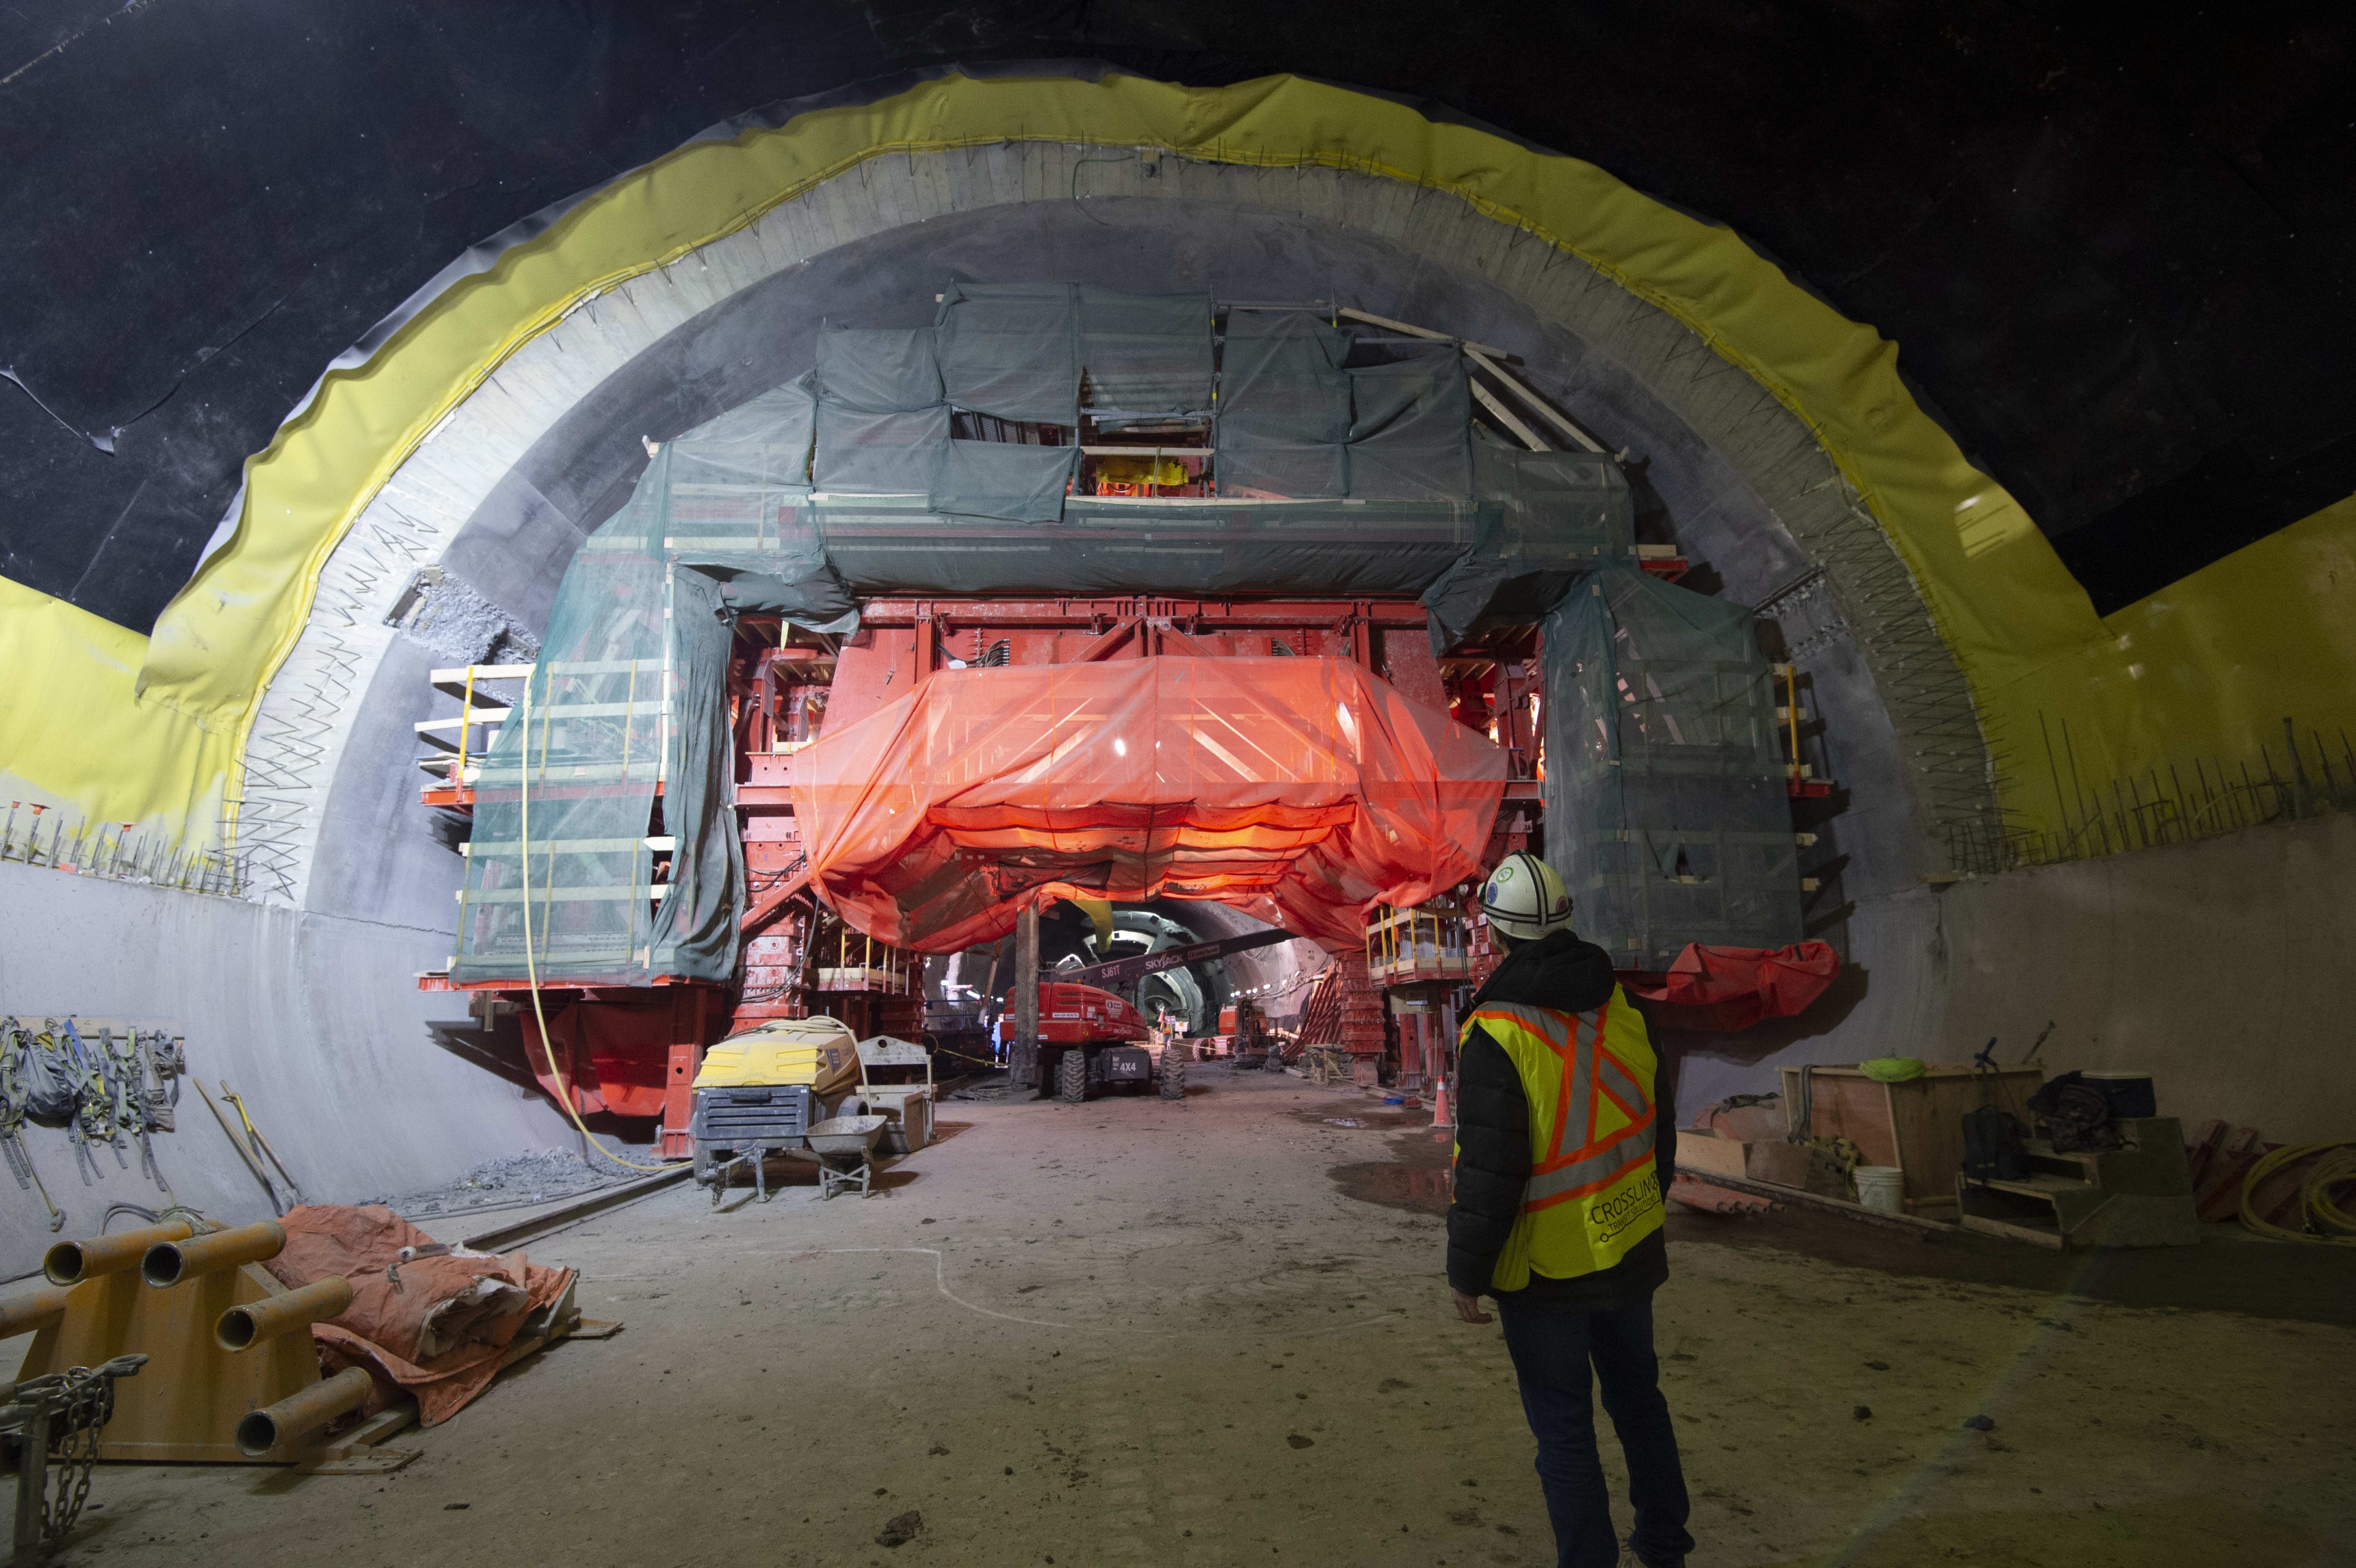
(1493, 1137)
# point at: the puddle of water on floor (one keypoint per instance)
(1424, 1189)
(1391, 1120)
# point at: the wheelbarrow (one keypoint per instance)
(842, 1145)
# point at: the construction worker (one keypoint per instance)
(1558, 1214)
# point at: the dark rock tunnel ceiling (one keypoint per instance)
(2114, 258)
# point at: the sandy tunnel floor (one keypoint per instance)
(1137, 1332)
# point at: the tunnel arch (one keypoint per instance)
(545, 426)
(1685, 323)
(1739, 477)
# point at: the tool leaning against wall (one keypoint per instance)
(106, 1082)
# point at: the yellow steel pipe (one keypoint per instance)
(242, 1327)
(70, 1263)
(259, 1430)
(26, 1313)
(168, 1263)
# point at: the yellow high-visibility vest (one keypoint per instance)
(1593, 1192)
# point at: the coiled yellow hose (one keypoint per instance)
(2335, 1166)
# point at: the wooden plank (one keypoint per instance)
(2218, 1194)
(384, 1424)
(361, 1462)
(1578, 437)
(1985, 1226)
(1715, 1156)
(1911, 1224)
(1507, 417)
(1372, 320)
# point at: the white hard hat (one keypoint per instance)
(1524, 899)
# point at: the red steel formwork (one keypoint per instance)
(802, 709)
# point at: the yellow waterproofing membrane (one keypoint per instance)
(2023, 633)
(74, 738)
(2222, 658)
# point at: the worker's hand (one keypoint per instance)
(1468, 1307)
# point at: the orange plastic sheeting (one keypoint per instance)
(439, 1331)
(1728, 989)
(1300, 789)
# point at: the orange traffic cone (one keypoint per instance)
(1442, 1112)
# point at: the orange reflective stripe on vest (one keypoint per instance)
(1590, 1073)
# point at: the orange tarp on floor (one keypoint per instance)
(1298, 789)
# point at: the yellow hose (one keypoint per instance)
(531, 968)
(2335, 1166)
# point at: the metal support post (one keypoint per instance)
(1024, 1064)
(32, 1489)
(673, 1139)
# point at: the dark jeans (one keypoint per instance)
(1551, 1351)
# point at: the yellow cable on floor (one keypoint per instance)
(2332, 1170)
(531, 968)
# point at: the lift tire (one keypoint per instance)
(1171, 1072)
(1072, 1077)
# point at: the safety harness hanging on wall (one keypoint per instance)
(105, 1092)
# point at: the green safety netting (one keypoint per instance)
(1665, 805)
(1284, 405)
(882, 546)
(1145, 354)
(1408, 426)
(1036, 351)
(1546, 519)
(862, 453)
(737, 486)
(1005, 481)
(1012, 350)
(1350, 479)
(878, 371)
(1295, 419)
(627, 705)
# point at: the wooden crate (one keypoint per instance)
(908, 1108)
(1917, 1125)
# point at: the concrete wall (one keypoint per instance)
(312, 1018)
(2223, 968)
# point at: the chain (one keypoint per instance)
(80, 1401)
(89, 1404)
